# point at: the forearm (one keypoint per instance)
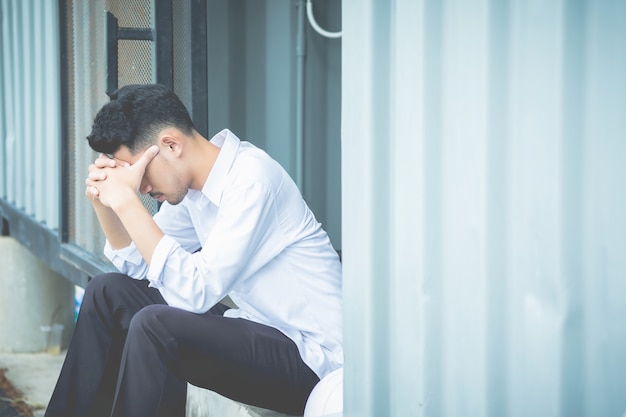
(113, 190)
(111, 226)
(139, 225)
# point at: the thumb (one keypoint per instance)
(147, 156)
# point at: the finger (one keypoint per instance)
(93, 177)
(104, 161)
(147, 156)
(92, 183)
(97, 175)
(92, 192)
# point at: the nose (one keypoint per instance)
(145, 188)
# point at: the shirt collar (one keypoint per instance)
(214, 185)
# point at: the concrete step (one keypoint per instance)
(35, 374)
(204, 403)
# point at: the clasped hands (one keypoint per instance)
(112, 182)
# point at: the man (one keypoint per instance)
(232, 223)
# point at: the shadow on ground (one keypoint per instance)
(11, 403)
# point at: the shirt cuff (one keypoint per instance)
(161, 253)
(127, 254)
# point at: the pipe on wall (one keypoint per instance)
(300, 57)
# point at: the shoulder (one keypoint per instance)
(253, 164)
(174, 212)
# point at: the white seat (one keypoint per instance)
(326, 399)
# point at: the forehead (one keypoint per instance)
(123, 154)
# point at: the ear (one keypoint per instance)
(171, 144)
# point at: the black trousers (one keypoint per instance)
(132, 355)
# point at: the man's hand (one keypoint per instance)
(97, 173)
(113, 182)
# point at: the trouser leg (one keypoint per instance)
(237, 358)
(88, 377)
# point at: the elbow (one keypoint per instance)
(192, 306)
(197, 309)
(203, 301)
(199, 302)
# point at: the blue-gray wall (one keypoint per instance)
(484, 226)
(252, 91)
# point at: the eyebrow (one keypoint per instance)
(110, 156)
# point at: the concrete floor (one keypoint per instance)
(34, 375)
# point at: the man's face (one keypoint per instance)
(161, 179)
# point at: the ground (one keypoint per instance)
(12, 402)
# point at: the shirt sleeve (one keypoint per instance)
(174, 221)
(241, 242)
(127, 260)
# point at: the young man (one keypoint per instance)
(232, 223)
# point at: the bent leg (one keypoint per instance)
(88, 377)
(240, 359)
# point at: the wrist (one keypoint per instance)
(124, 199)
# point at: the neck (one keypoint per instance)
(202, 156)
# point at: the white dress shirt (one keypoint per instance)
(261, 245)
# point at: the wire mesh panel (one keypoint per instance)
(135, 62)
(182, 51)
(135, 57)
(131, 13)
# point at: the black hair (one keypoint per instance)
(135, 115)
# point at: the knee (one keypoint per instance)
(148, 320)
(100, 288)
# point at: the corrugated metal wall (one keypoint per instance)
(29, 108)
(484, 212)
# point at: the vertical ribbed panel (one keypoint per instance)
(51, 109)
(87, 86)
(4, 30)
(29, 125)
(483, 208)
